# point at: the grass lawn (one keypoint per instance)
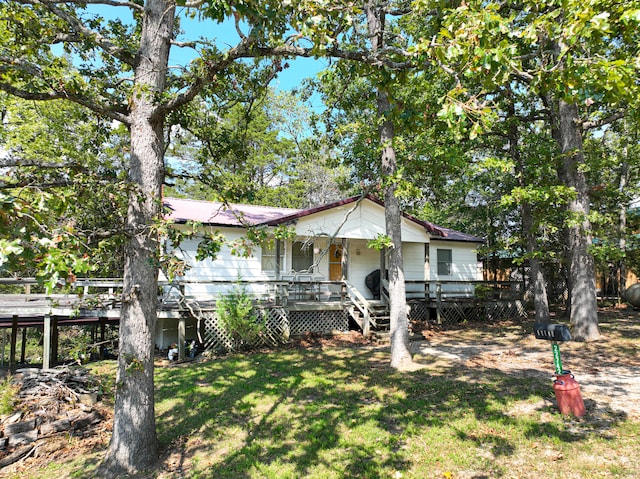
(342, 412)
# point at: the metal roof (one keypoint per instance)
(221, 214)
(241, 215)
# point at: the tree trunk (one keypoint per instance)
(582, 287)
(134, 444)
(399, 324)
(536, 276)
(622, 229)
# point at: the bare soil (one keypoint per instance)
(607, 370)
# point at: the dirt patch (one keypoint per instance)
(346, 339)
(608, 370)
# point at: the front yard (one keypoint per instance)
(482, 407)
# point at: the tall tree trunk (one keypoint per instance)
(399, 323)
(622, 228)
(536, 276)
(582, 287)
(134, 444)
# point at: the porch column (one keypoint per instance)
(181, 337)
(46, 343)
(278, 265)
(427, 271)
(345, 259)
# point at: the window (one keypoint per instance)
(269, 257)
(444, 262)
(301, 256)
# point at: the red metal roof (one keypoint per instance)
(221, 214)
(231, 214)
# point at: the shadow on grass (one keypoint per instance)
(343, 413)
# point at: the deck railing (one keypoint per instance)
(97, 301)
(104, 293)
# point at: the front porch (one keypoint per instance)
(297, 305)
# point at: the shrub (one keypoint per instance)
(8, 396)
(237, 316)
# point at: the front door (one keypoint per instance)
(335, 262)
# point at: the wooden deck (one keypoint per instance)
(97, 302)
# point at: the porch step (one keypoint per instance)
(383, 324)
(382, 338)
(379, 317)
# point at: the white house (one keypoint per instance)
(327, 250)
(330, 244)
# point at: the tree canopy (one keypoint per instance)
(496, 111)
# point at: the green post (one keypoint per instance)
(557, 362)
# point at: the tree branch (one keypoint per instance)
(7, 185)
(105, 44)
(63, 95)
(12, 162)
(10, 63)
(112, 3)
(587, 125)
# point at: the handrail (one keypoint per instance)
(276, 289)
(384, 291)
(363, 305)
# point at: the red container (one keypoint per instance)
(568, 395)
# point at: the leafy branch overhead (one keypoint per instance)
(100, 57)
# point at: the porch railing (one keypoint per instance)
(104, 293)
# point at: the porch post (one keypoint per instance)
(46, 343)
(278, 257)
(438, 303)
(181, 337)
(427, 271)
(344, 263)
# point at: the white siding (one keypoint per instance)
(365, 222)
(360, 265)
(320, 245)
(226, 267)
(464, 261)
(465, 266)
(413, 255)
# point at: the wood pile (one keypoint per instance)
(53, 403)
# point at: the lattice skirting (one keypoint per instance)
(418, 311)
(318, 321)
(280, 325)
(454, 313)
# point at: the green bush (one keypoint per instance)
(237, 316)
(8, 396)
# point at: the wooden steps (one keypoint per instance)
(378, 316)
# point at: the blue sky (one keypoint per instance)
(226, 36)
